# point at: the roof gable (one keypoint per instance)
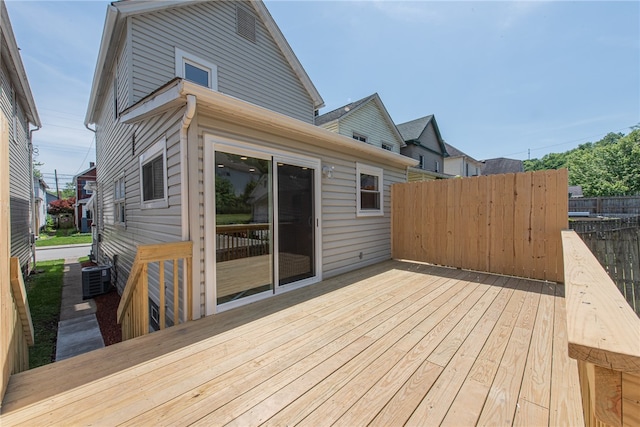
(15, 67)
(115, 22)
(454, 152)
(349, 109)
(413, 130)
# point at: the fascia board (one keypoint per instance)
(21, 75)
(105, 44)
(241, 111)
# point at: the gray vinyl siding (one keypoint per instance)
(255, 72)
(117, 153)
(344, 235)
(369, 121)
(19, 172)
(429, 140)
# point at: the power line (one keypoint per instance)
(601, 135)
(86, 155)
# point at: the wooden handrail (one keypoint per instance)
(133, 310)
(241, 227)
(604, 336)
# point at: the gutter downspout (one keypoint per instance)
(96, 216)
(33, 196)
(190, 111)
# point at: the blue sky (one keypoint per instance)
(501, 77)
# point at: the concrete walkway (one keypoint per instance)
(78, 330)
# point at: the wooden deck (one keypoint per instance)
(397, 343)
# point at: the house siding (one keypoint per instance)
(255, 72)
(369, 121)
(19, 172)
(430, 158)
(344, 235)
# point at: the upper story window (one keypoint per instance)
(359, 137)
(387, 147)
(153, 167)
(196, 70)
(437, 166)
(421, 159)
(369, 190)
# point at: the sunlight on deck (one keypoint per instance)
(397, 343)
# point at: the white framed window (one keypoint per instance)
(437, 166)
(119, 200)
(153, 176)
(387, 147)
(359, 137)
(196, 70)
(369, 191)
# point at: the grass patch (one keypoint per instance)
(44, 292)
(63, 237)
(225, 219)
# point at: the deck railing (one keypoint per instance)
(241, 241)
(133, 311)
(604, 337)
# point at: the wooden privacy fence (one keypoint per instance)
(629, 205)
(505, 224)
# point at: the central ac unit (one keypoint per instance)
(96, 281)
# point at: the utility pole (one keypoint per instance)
(57, 186)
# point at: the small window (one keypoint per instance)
(196, 70)
(369, 190)
(153, 166)
(387, 147)
(115, 97)
(359, 137)
(437, 166)
(119, 200)
(421, 159)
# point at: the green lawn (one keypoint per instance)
(63, 237)
(224, 219)
(44, 292)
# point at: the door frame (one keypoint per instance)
(213, 143)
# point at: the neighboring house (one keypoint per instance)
(18, 106)
(40, 204)
(366, 120)
(424, 144)
(205, 133)
(575, 191)
(460, 164)
(501, 165)
(84, 184)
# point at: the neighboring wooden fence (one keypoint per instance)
(505, 224)
(616, 245)
(629, 205)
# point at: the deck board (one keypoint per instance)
(395, 343)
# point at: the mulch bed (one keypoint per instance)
(106, 313)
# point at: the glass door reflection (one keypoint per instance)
(244, 246)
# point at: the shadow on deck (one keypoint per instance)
(394, 343)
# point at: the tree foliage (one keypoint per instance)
(62, 206)
(609, 167)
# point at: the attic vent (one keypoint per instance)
(245, 24)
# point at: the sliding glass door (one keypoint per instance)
(244, 230)
(266, 224)
(296, 223)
